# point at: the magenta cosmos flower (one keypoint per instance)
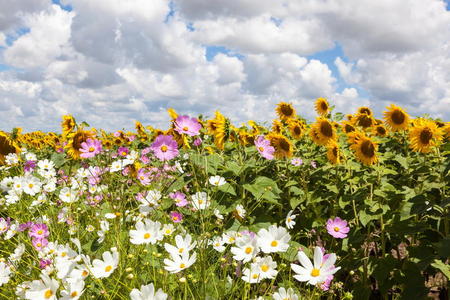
(38, 244)
(165, 147)
(176, 217)
(39, 231)
(179, 198)
(187, 125)
(264, 148)
(90, 148)
(337, 228)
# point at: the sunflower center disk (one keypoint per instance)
(326, 129)
(398, 117)
(367, 149)
(425, 136)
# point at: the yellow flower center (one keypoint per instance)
(200, 201)
(265, 268)
(231, 240)
(248, 250)
(261, 149)
(180, 250)
(74, 294)
(185, 128)
(48, 294)
(40, 231)
(108, 268)
(63, 254)
(91, 149)
(315, 272)
(168, 231)
(147, 235)
(163, 148)
(124, 153)
(274, 244)
(182, 266)
(255, 276)
(30, 185)
(289, 219)
(336, 229)
(85, 273)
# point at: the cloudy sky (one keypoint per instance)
(110, 62)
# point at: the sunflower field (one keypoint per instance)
(344, 207)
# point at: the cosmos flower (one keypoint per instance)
(90, 148)
(264, 148)
(273, 239)
(338, 228)
(147, 292)
(187, 125)
(165, 147)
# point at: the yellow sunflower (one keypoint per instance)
(446, 130)
(363, 120)
(365, 110)
(285, 111)
(380, 130)
(283, 147)
(172, 113)
(75, 139)
(347, 126)
(322, 107)
(67, 124)
(7, 146)
(349, 117)
(219, 127)
(424, 135)
(296, 128)
(365, 150)
(355, 136)
(333, 153)
(277, 126)
(322, 131)
(396, 118)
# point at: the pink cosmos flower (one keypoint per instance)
(90, 148)
(43, 263)
(180, 199)
(187, 125)
(337, 228)
(165, 147)
(123, 151)
(39, 244)
(176, 217)
(39, 231)
(297, 162)
(197, 142)
(264, 148)
(143, 176)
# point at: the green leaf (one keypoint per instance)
(264, 188)
(444, 268)
(227, 188)
(402, 161)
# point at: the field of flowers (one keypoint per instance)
(346, 207)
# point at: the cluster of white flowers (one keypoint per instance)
(180, 259)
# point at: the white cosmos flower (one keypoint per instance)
(147, 292)
(44, 289)
(46, 165)
(218, 214)
(18, 252)
(117, 166)
(252, 274)
(104, 268)
(182, 245)
(283, 294)
(168, 229)
(5, 272)
(11, 159)
(68, 195)
(240, 211)
(151, 199)
(318, 272)
(30, 156)
(245, 249)
(146, 232)
(179, 262)
(217, 180)
(290, 220)
(73, 291)
(218, 244)
(275, 239)
(267, 267)
(200, 200)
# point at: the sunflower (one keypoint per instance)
(322, 132)
(67, 124)
(365, 150)
(380, 130)
(172, 113)
(347, 126)
(349, 117)
(355, 136)
(322, 107)
(333, 153)
(424, 134)
(363, 120)
(283, 147)
(75, 139)
(396, 118)
(219, 127)
(446, 130)
(277, 126)
(7, 146)
(296, 128)
(285, 111)
(365, 110)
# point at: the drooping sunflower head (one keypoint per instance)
(219, 127)
(347, 126)
(349, 117)
(333, 153)
(67, 124)
(364, 120)
(365, 110)
(380, 130)
(354, 136)
(322, 131)
(283, 147)
(424, 135)
(285, 111)
(75, 139)
(446, 130)
(277, 126)
(7, 146)
(296, 128)
(365, 150)
(140, 129)
(322, 107)
(396, 118)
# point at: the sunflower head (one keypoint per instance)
(396, 118)
(277, 126)
(140, 128)
(365, 110)
(333, 153)
(349, 117)
(424, 135)
(355, 136)
(75, 139)
(347, 126)
(285, 111)
(7, 146)
(365, 150)
(172, 113)
(380, 130)
(322, 131)
(322, 107)
(283, 147)
(364, 120)
(67, 124)
(296, 128)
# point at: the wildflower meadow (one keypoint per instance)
(341, 207)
